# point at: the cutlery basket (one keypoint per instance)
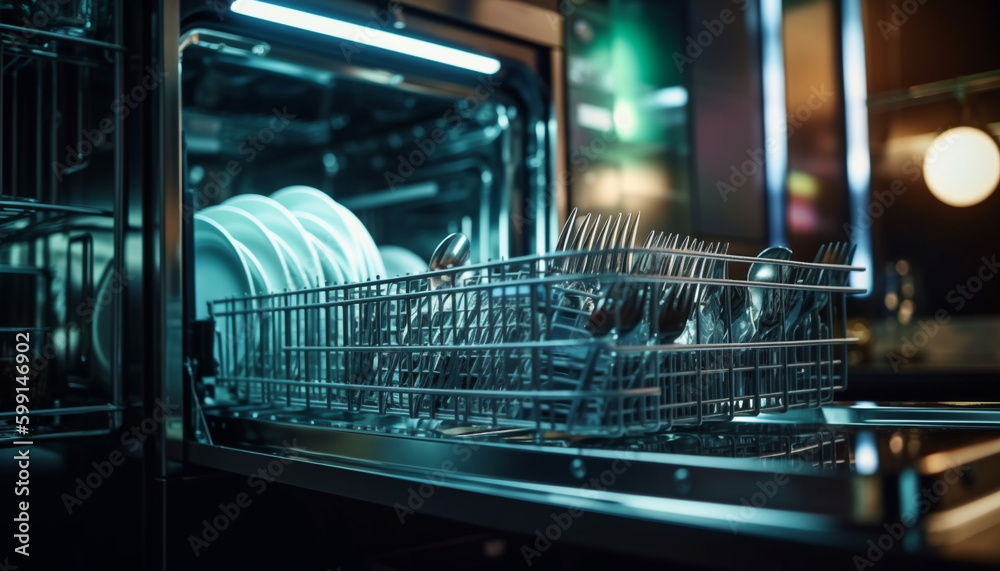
(521, 344)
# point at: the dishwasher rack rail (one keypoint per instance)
(519, 344)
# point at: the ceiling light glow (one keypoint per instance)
(366, 35)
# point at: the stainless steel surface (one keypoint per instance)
(61, 219)
(679, 488)
(166, 238)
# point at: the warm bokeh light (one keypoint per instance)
(962, 166)
(896, 443)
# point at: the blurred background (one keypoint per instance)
(805, 122)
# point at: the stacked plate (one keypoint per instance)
(298, 238)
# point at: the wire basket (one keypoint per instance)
(520, 343)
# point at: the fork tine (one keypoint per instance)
(849, 258)
(635, 230)
(641, 263)
(579, 241)
(668, 260)
(607, 260)
(835, 257)
(811, 276)
(655, 260)
(599, 244)
(707, 267)
(623, 244)
(672, 260)
(564, 235)
(721, 264)
(846, 252)
(581, 230)
(588, 245)
(832, 251)
(619, 258)
(630, 256)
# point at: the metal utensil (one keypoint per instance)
(621, 307)
(746, 321)
(452, 252)
(813, 302)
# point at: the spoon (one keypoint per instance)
(765, 273)
(454, 251)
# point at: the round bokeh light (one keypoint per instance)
(962, 166)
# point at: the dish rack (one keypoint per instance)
(62, 68)
(513, 344)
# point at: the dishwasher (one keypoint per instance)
(462, 343)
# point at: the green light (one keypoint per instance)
(626, 118)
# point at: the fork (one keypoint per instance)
(620, 308)
(814, 302)
(590, 243)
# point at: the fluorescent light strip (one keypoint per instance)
(858, 158)
(776, 166)
(366, 35)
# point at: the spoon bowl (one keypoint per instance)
(454, 251)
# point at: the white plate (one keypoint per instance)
(372, 257)
(308, 199)
(301, 278)
(332, 271)
(399, 261)
(279, 220)
(103, 325)
(337, 239)
(253, 321)
(281, 271)
(257, 274)
(220, 269)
